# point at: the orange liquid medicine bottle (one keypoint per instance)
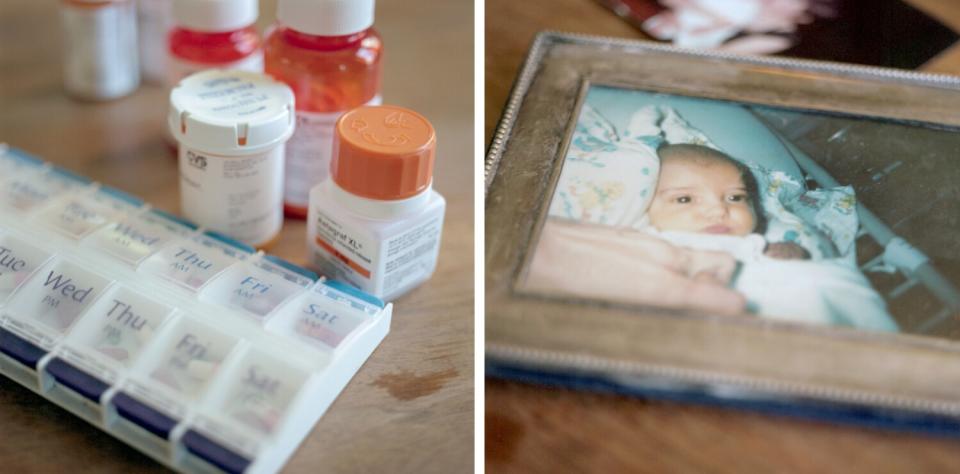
(329, 54)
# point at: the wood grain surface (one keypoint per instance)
(530, 428)
(410, 407)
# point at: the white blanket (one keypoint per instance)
(828, 291)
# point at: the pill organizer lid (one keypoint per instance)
(225, 112)
(215, 15)
(383, 152)
(326, 17)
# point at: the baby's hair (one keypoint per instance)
(701, 152)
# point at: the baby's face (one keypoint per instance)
(703, 196)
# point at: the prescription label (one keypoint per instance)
(412, 255)
(238, 196)
(343, 253)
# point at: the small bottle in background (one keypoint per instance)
(329, 54)
(100, 48)
(213, 34)
(154, 21)
(231, 127)
(375, 222)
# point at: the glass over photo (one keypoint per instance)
(757, 212)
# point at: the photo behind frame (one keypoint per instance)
(824, 193)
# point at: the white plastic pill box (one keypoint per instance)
(193, 348)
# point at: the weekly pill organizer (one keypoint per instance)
(195, 349)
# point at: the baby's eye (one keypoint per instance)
(683, 199)
(737, 198)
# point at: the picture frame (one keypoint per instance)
(558, 334)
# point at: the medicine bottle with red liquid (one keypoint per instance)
(213, 34)
(329, 54)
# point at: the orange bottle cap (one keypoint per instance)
(383, 152)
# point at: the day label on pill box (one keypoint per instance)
(76, 217)
(260, 391)
(189, 264)
(56, 295)
(18, 260)
(23, 194)
(251, 289)
(326, 323)
(121, 324)
(193, 356)
(136, 238)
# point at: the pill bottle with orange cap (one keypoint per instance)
(375, 222)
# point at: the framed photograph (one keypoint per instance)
(740, 228)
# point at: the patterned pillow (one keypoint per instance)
(609, 176)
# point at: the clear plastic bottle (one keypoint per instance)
(329, 54)
(213, 34)
(153, 26)
(100, 48)
(375, 222)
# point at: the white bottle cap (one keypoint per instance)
(228, 112)
(326, 17)
(212, 16)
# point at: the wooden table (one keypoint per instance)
(410, 407)
(536, 429)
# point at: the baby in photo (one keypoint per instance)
(709, 201)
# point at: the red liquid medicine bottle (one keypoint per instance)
(213, 34)
(329, 54)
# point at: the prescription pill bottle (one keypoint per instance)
(100, 48)
(231, 127)
(329, 53)
(213, 34)
(375, 222)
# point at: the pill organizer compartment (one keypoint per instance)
(55, 295)
(18, 260)
(140, 235)
(105, 341)
(191, 263)
(41, 310)
(120, 325)
(194, 352)
(328, 315)
(258, 287)
(170, 376)
(28, 191)
(80, 213)
(243, 412)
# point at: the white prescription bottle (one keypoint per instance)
(100, 48)
(231, 127)
(375, 222)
